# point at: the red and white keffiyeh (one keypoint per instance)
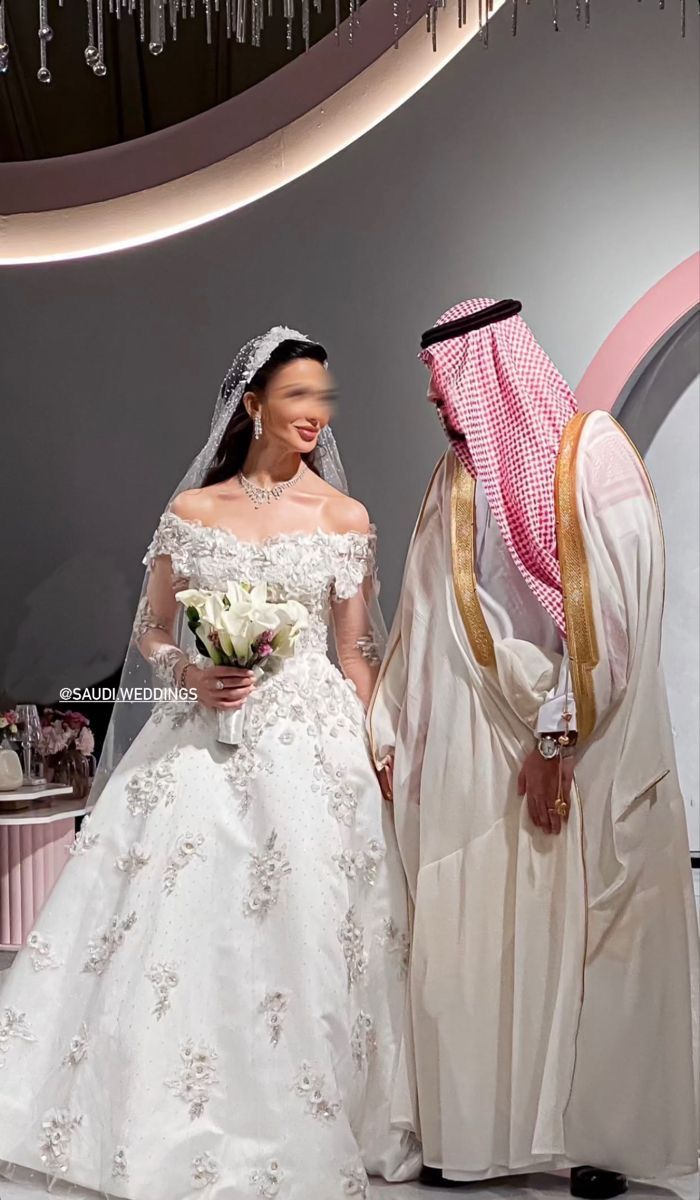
(506, 396)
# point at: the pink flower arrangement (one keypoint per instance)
(9, 723)
(61, 730)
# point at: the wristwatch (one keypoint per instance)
(548, 746)
(551, 745)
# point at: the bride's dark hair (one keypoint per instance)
(235, 443)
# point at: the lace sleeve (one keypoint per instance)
(360, 634)
(156, 618)
(357, 560)
(167, 540)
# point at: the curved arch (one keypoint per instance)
(627, 349)
(226, 158)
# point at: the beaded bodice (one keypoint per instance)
(313, 568)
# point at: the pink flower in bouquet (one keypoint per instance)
(263, 647)
(85, 741)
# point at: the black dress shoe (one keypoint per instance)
(592, 1183)
(433, 1177)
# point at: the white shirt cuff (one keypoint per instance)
(551, 715)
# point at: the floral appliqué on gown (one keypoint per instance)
(210, 1004)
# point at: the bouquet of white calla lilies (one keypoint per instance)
(242, 627)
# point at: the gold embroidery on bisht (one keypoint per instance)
(397, 640)
(576, 583)
(463, 572)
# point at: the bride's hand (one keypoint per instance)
(219, 687)
(386, 780)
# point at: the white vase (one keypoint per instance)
(231, 722)
(10, 771)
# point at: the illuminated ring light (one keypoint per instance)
(639, 336)
(219, 161)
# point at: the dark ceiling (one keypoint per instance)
(141, 93)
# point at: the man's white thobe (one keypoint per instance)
(554, 979)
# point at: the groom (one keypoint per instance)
(522, 710)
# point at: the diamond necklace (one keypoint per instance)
(261, 495)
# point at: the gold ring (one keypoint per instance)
(561, 808)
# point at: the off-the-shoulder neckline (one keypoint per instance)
(300, 536)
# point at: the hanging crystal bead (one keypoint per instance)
(91, 54)
(45, 33)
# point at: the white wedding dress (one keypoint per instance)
(211, 1001)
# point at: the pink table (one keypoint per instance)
(34, 844)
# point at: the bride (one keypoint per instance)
(211, 1001)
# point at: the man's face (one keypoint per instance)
(436, 398)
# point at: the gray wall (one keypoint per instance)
(561, 169)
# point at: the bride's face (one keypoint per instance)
(297, 404)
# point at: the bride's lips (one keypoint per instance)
(308, 435)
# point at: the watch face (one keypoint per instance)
(547, 747)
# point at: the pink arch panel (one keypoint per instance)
(633, 339)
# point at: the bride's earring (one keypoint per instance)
(257, 427)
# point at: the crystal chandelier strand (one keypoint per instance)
(91, 49)
(45, 34)
(258, 16)
(241, 21)
(156, 44)
(4, 47)
(99, 66)
(244, 21)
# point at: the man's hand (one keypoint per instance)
(539, 781)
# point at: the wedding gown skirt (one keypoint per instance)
(211, 1001)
